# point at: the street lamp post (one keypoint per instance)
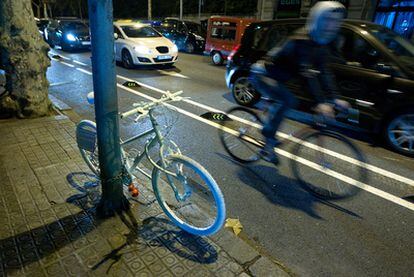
(106, 107)
(181, 9)
(199, 10)
(149, 9)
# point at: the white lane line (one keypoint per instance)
(80, 63)
(68, 64)
(173, 74)
(369, 167)
(84, 71)
(58, 84)
(339, 176)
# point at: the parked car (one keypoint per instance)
(68, 33)
(41, 25)
(187, 35)
(374, 69)
(141, 44)
(223, 34)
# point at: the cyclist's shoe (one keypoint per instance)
(268, 153)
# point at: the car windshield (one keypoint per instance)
(398, 45)
(76, 26)
(194, 28)
(140, 32)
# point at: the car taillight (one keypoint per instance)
(233, 52)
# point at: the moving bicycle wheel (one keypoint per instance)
(313, 157)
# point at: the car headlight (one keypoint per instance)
(70, 37)
(141, 49)
(175, 48)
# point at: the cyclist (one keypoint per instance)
(305, 54)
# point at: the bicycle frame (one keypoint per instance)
(158, 138)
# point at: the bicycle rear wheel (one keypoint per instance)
(241, 135)
(321, 173)
(196, 203)
(86, 138)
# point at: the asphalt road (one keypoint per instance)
(371, 234)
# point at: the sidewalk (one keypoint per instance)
(48, 225)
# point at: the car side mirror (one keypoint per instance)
(116, 36)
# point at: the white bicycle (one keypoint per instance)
(184, 189)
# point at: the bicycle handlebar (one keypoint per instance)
(143, 107)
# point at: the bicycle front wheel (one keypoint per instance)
(318, 169)
(190, 198)
(241, 135)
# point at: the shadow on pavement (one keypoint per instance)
(64, 236)
(280, 190)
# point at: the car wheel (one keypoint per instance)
(127, 61)
(189, 47)
(217, 58)
(399, 132)
(244, 92)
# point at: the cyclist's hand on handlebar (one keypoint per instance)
(325, 109)
(342, 104)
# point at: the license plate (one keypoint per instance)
(164, 57)
(86, 43)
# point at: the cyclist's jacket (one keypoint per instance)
(295, 58)
(307, 49)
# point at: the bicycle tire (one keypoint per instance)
(165, 196)
(245, 151)
(341, 144)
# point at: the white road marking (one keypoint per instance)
(81, 63)
(68, 64)
(363, 186)
(84, 71)
(63, 57)
(370, 167)
(59, 84)
(173, 74)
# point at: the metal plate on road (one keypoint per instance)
(215, 116)
(131, 84)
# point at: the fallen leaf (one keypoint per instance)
(234, 224)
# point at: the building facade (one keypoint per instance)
(395, 14)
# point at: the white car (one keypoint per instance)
(140, 44)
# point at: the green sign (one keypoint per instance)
(215, 116)
(131, 84)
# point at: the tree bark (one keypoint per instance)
(23, 56)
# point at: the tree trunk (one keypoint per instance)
(23, 56)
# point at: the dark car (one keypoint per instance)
(373, 66)
(187, 35)
(41, 25)
(68, 33)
